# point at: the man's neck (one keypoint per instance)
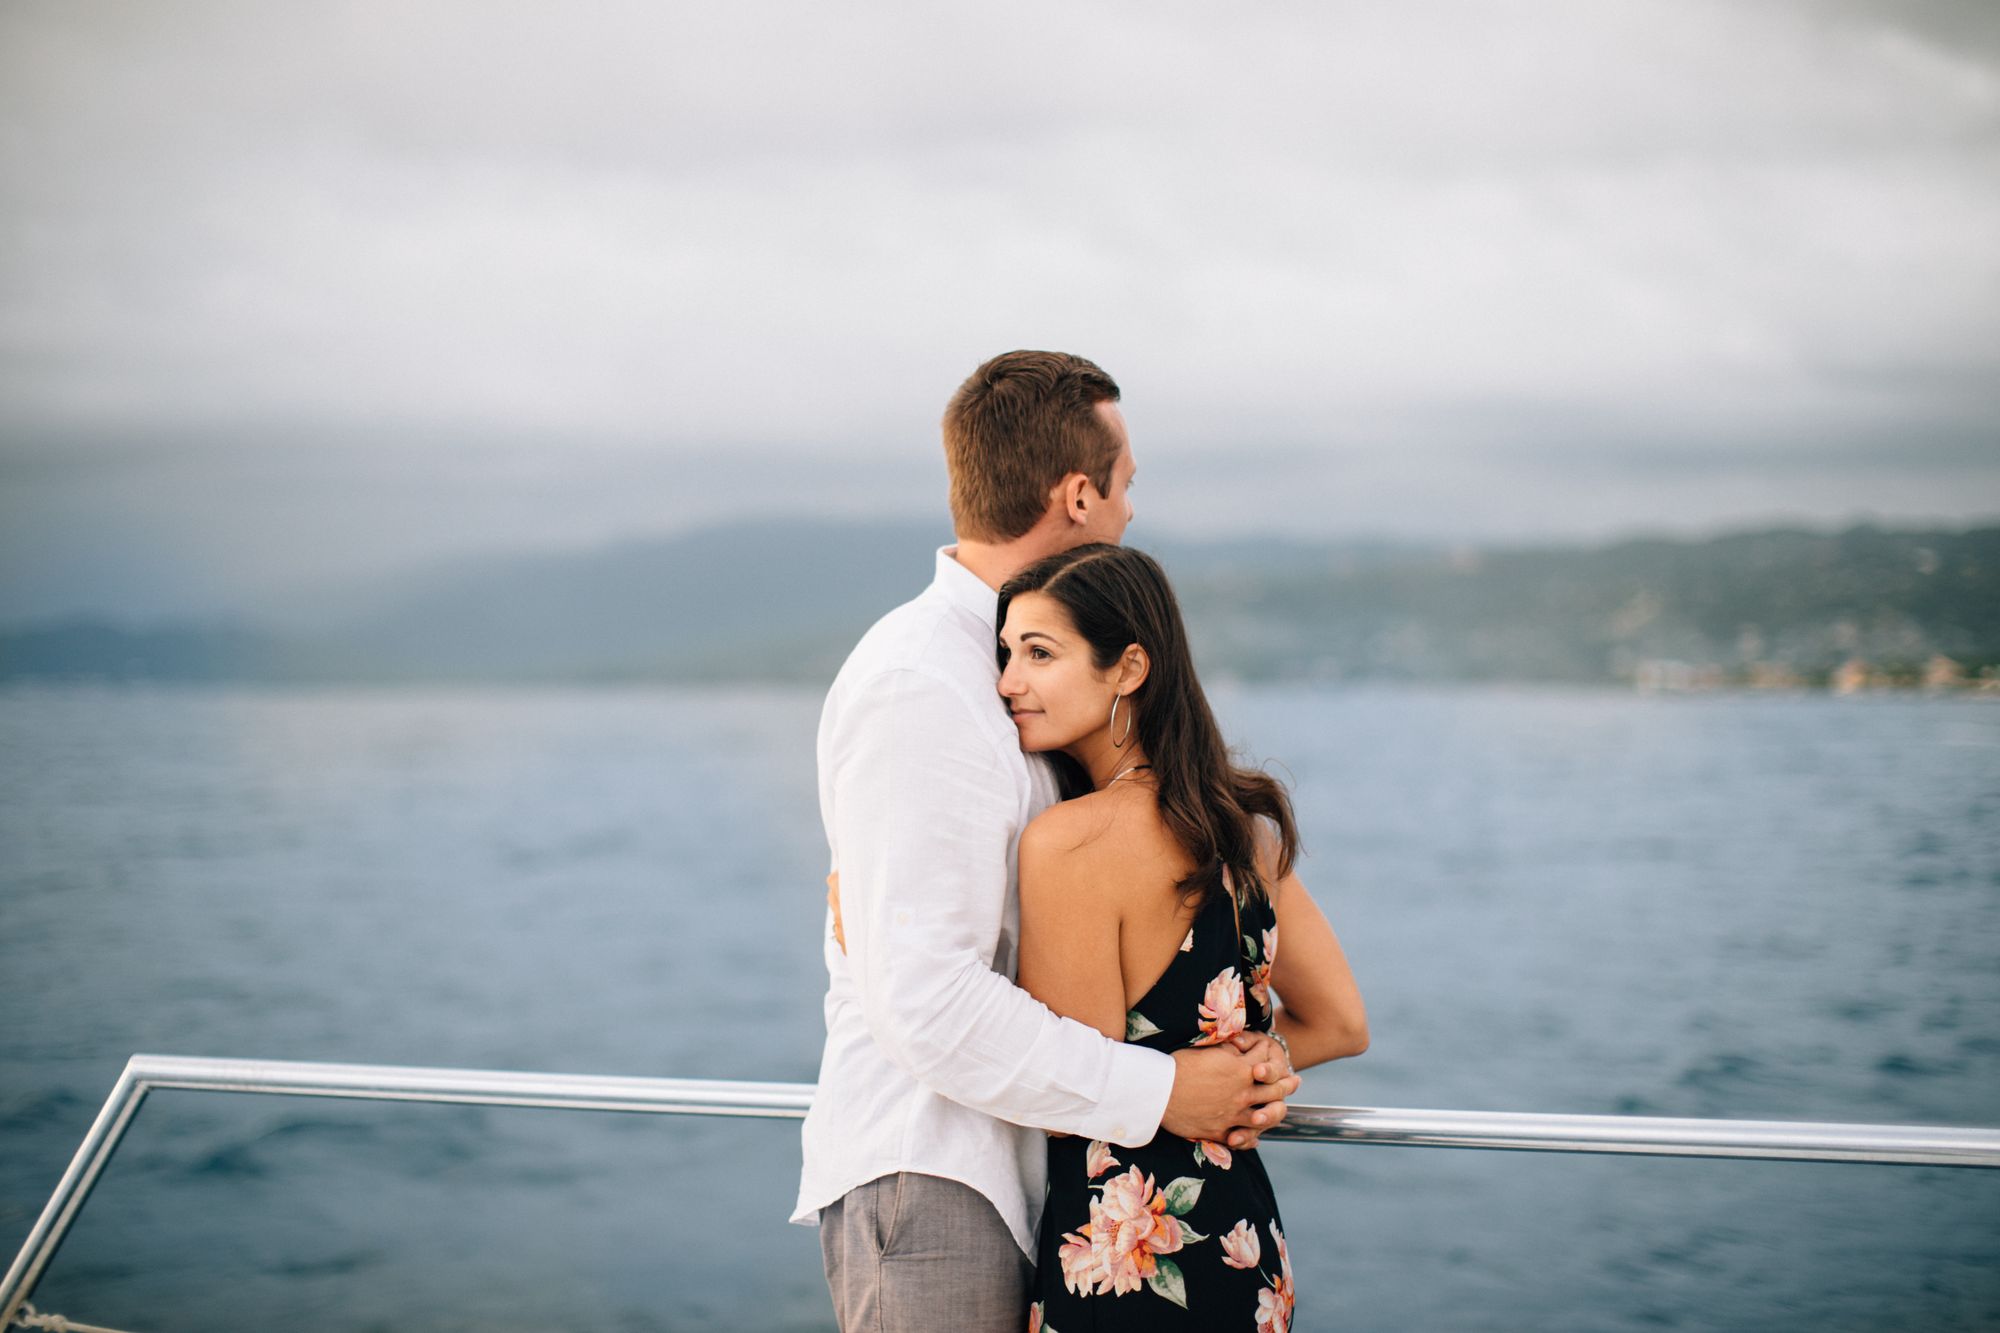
(996, 562)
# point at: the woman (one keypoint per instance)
(1153, 902)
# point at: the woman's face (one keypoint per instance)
(1050, 683)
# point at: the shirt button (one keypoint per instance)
(902, 918)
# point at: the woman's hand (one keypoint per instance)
(1273, 1065)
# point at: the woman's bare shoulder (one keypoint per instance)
(1113, 841)
(1097, 823)
(1058, 855)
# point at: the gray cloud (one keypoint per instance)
(376, 248)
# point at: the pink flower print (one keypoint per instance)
(1221, 1009)
(1273, 1315)
(1187, 944)
(1133, 1230)
(1098, 1159)
(1035, 1318)
(1260, 984)
(1275, 1302)
(1260, 975)
(1077, 1257)
(1241, 1247)
(1206, 1150)
(1133, 1227)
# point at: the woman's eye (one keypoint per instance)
(1038, 654)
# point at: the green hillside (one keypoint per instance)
(783, 601)
(1763, 606)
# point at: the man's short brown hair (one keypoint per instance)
(1020, 424)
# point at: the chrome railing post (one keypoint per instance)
(85, 1167)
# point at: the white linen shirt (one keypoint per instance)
(935, 1062)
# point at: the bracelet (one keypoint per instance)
(1283, 1045)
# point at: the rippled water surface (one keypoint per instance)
(1770, 907)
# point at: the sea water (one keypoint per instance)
(1722, 905)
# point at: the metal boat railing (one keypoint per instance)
(1766, 1140)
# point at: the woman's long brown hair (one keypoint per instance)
(1117, 597)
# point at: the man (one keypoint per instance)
(924, 1164)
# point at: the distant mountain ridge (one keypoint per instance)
(1747, 606)
(783, 600)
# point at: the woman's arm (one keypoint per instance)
(1320, 1011)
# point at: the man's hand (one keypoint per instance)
(833, 901)
(1218, 1098)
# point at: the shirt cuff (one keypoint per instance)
(1135, 1097)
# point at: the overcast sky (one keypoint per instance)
(297, 293)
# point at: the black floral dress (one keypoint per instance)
(1178, 1234)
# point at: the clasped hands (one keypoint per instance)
(1229, 1093)
(1218, 1099)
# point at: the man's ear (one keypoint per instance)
(1075, 494)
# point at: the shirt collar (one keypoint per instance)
(962, 587)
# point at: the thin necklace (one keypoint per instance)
(1122, 772)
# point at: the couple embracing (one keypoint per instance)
(1071, 970)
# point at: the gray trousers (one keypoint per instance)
(908, 1252)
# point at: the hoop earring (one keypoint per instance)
(1120, 743)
